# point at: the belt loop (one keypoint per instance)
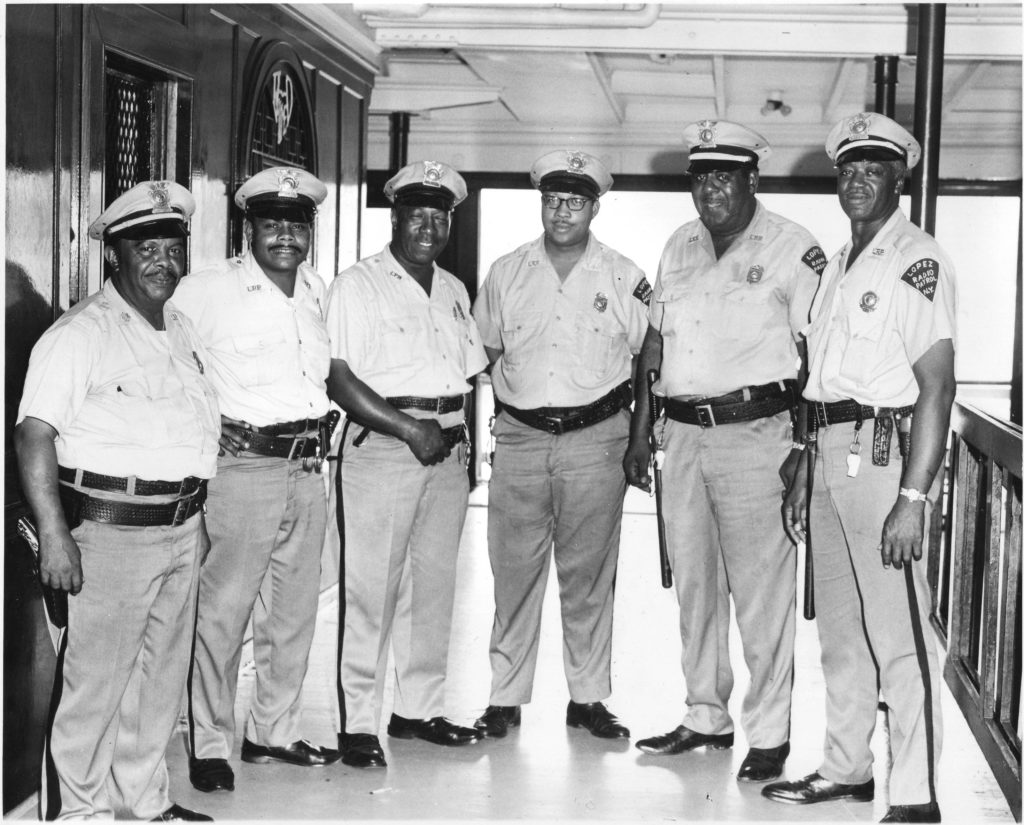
(78, 476)
(130, 485)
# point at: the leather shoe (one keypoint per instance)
(438, 730)
(762, 764)
(497, 719)
(361, 750)
(178, 814)
(208, 775)
(815, 788)
(297, 753)
(913, 813)
(596, 718)
(683, 739)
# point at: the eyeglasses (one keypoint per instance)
(574, 203)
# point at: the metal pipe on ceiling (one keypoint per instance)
(931, 37)
(886, 79)
(555, 15)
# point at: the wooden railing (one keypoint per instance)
(974, 567)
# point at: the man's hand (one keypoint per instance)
(787, 472)
(794, 502)
(903, 533)
(636, 463)
(424, 438)
(204, 540)
(233, 437)
(60, 561)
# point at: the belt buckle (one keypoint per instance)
(556, 425)
(298, 445)
(705, 415)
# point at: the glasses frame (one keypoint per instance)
(554, 202)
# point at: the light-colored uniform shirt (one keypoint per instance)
(125, 399)
(269, 354)
(733, 322)
(397, 339)
(563, 344)
(872, 322)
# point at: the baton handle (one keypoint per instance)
(808, 552)
(654, 413)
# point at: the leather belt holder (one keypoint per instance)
(440, 406)
(560, 420)
(79, 507)
(712, 415)
(881, 440)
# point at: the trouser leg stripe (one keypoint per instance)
(922, 660)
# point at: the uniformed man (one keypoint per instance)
(261, 317)
(403, 350)
(562, 318)
(733, 291)
(116, 438)
(881, 345)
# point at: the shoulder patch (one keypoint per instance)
(643, 292)
(923, 275)
(815, 259)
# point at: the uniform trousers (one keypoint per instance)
(723, 521)
(866, 617)
(566, 490)
(122, 668)
(403, 523)
(267, 518)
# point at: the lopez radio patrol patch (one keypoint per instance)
(815, 259)
(923, 276)
(643, 292)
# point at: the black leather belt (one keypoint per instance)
(559, 420)
(442, 405)
(140, 487)
(749, 404)
(303, 446)
(292, 428)
(824, 413)
(79, 506)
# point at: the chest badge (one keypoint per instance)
(457, 312)
(868, 301)
(600, 302)
(755, 274)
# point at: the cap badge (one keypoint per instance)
(859, 127)
(868, 301)
(160, 196)
(287, 184)
(432, 173)
(755, 274)
(600, 302)
(577, 163)
(707, 133)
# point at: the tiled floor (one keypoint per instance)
(545, 771)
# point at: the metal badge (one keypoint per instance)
(287, 184)
(432, 173)
(576, 162)
(160, 196)
(600, 302)
(707, 133)
(858, 127)
(868, 301)
(755, 274)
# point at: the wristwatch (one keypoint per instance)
(910, 494)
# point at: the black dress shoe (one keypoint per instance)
(438, 730)
(762, 764)
(913, 813)
(683, 739)
(497, 719)
(596, 718)
(297, 753)
(208, 775)
(178, 814)
(815, 788)
(361, 750)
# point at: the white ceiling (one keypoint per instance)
(491, 86)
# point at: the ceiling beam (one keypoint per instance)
(425, 97)
(964, 85)
(605, 82)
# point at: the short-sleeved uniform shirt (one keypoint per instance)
(125, 399)
(733, 322)
(871, 322)
(563, 344)
(397, 339)
(269, 354)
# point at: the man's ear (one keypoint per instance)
(753, 179)
(597, 208)
(110, 253)
(247, 231)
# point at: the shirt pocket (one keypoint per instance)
(747, 311)
(865, 342)
(401, 339)
(520, 337)
(674, 306)
(596, 341)
(261, 358)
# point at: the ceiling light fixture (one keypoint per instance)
(774, 103)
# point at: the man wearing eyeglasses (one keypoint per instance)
(733, 292)
(561, 319)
